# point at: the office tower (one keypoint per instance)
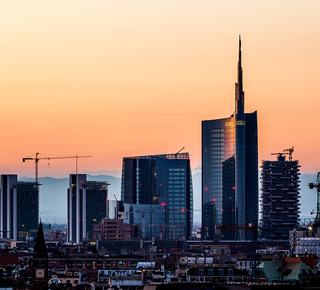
(19, 212)
(86, 206)
(230, 170)
(280, 197)
(161, 180)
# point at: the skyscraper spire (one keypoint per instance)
(239, 85)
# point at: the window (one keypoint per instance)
(230, 272)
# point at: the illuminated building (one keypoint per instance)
(87, 205)
(230, 170)
(163, 180)
(19, 212)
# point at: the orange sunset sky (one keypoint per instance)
(112, 78)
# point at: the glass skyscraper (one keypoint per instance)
(161, 180)
(230, 170)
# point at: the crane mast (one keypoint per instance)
(316, 185)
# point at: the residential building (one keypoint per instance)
(161, 180)
(280, 197)
(114, 229)
(295, 235)
(86, 206)
(19, 207)
(287, 271)
(230, 170)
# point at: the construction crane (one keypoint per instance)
(176, 154)
(316, 185)
(288, 151)
(35, 157)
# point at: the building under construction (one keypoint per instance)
(280, 196)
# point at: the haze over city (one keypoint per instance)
(122, 78)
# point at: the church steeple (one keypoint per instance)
(239, 94)
(40, 246)
(40, 261)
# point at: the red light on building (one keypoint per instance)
(206, 188)
(214, 199)
(182, 209)
(222, 210)
(233, 188)
(140, 183)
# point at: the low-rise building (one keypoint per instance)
(114, 229)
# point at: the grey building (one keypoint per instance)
(19, 207)
(230, 170)
(87, 205)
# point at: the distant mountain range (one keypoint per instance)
(53, 195)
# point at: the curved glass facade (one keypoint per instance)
(230, 170)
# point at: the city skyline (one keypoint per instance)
(83, 78)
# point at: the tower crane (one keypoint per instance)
(288, 151)
(36, 159)
(316, 185)
(176, 154)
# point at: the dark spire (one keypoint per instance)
(40, 247)
(239, 85)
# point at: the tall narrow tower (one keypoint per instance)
(280, 197)
(230, 168)
(19, 203)
(240, 153)
(87, 205)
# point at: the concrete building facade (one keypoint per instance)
(280, 197)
